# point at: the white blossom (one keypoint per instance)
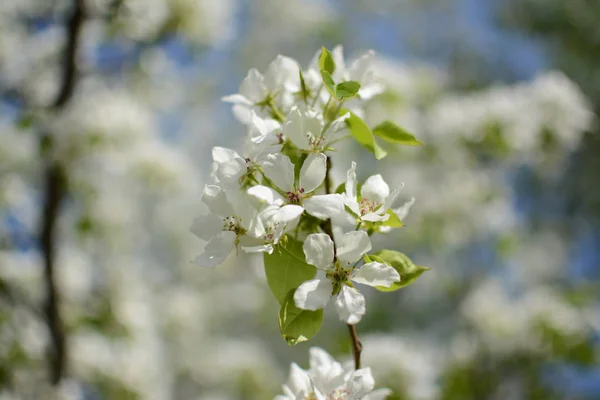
(327, 379)
(292, 199)
(337, 268)
(225, 225)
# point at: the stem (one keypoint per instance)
(276, 112)
(356, 345)
(316, 96)
(54, 191)
(327, 228)
(337, 110)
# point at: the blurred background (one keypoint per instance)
(108, 113)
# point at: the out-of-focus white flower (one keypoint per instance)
(360, 70)
(337, 267)
(398, 360)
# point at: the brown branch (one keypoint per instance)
(356, 345)
(54, 191)
(327, 228)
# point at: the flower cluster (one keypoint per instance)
(327, 379)
(276, 197)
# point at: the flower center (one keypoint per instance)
(339, 394)
(295, 196)
(315, 143)
(367, 206)
(232, 224)
(280, 137)
(269, 235)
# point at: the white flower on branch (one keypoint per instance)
(226, 224)
(337, 265)
(291, 199)
(327, 379)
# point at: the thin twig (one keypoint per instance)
(356, 345)
(54, 192)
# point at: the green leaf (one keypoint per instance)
(286, 269)
(408, 271)
(329, 83)
(391, 132)
(303, 89)
(363, 135)
(298, 325)
(346, 90)
(393, 221)
(326, 61)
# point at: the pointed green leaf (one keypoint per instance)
(347, 90)
(363, 135)
(326, 61)
(391, 132)
(303, 89)
(298, 325)
(408, 271)
(286, 269)
(329, 83)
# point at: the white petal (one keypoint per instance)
(324, 206)
(223, 154)
(262, 126)
(207, 226)
(288, 213)
(216, 200)
(230, 166)
(264, 248)
(298, 380)
(375, 217)
(293, 129)
(389, 202)
(352, 246)
(253, 87)
(320, 359)
(313, 172)
(280, 170)
(340, 66)
(403, 211)
(242, 113)
(216, 250)
(249, 217)
(314, 294)
(265, 194)
(361, 382)
(350, 305)
(318, 250)
(375, 189)
(338, 123)
(370, 88)
(376, 274)
(236, 99)
(361, 66)
(351, 182)
(280, 72)
(352, 204)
